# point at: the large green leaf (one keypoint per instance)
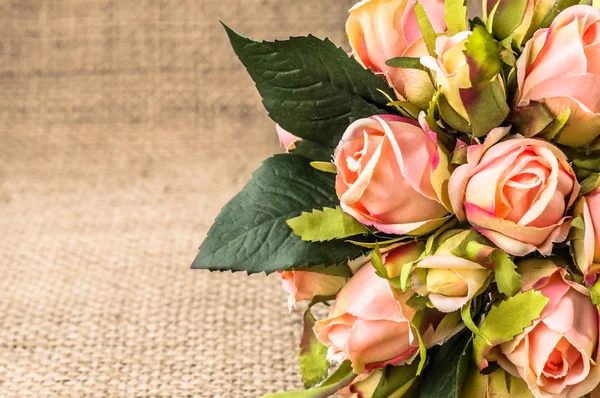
(311, 87)
(251, 233)
(395, 378)
(447, 370)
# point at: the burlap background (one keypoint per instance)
(125, 125)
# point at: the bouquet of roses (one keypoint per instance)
(439, 191)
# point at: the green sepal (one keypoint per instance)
(530, 120)
(405, 63)
(416, 323)
(427, 31)
(326, 225)
(595, 294)
(326, 167)
(313, 354)
(377, 262)
(338, 380)
(251, 233)
(555, 127)
(508, 17)
(558, 6)
(447, 369)
(505, 321)
(310, 86)
(418, 303)
(455, 16)
(395, 380)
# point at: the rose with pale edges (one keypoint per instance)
(516, 193)
(392, 174)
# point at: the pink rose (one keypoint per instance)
(587, 249)
(306, 285)
(558, 68)
(392, 175)
(516, 193)
(379, 30)
(286, 139)
(557, 355)
(369, 324)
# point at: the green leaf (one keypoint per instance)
(326, 225)
(483, 55)
(341, 378)
(486, 106)
(447, 370)
(405, 63)
(311, 150)
(582, 159)
(333, 270)
(395, 378)
(326, 167)
(505, 273)
(251, 233)
(456, 16)
(310, 86)
(505, 321)
(427, 31)
(313, 354)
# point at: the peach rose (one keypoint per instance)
(449, 281)
(557, 355)
(392, 175)
(369, 324)
(559, 68)
(379, 30)
(306, 285)
(516, 193)
(286, 139)
(587, 249)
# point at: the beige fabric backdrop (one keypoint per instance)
(124, 126)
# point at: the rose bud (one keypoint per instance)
(286, 139)
(369, 324)
(380, 30)
(473, 98)
(557, 356)
(449, 281)
(586, 249)
(306, 285)
(549, 86)
(516, 193)
(392, 175)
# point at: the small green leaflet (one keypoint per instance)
(456, 16)
(311, 87)
(405, 63)
(505, 321)
(313, 354)
(595, 293)
(251, 233)
(341, 378)
(507, 278)
(326, 167)
(326, 225)
(429, 35)
(447, 370)
(416, 323)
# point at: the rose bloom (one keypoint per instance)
(306, 285)
(515, 193)
(369, 324)
(587, 250)
(286, 139)
(449, 281)
(560, 67)
(392, 175)
(557, 355)
(380, 30)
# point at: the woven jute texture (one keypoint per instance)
(125, 125)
